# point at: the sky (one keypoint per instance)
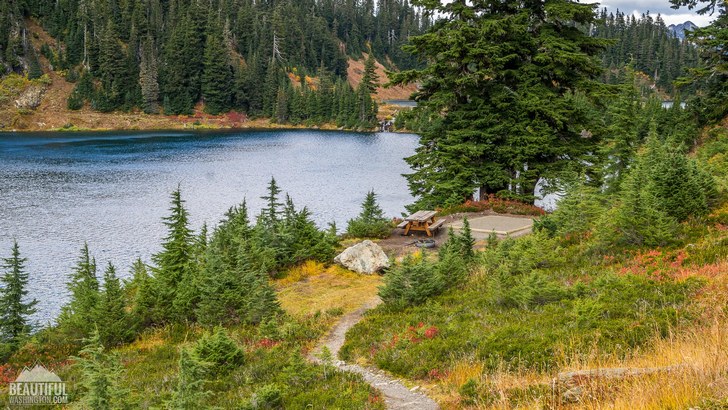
(670, 16)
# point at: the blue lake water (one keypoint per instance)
(112, 189)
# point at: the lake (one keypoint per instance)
(112, 189)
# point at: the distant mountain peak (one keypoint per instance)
(679, 30)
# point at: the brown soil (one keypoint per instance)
(356, 71)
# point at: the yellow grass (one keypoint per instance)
(698, 378)
(314, 287)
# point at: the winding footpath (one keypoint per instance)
(396, 395)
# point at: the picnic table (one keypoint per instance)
(423, 221)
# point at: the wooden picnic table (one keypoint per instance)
(423, 221)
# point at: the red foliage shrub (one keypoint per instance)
(436, 374)
(667, 264)
(266, 343)
(495, 204)
(431, 332)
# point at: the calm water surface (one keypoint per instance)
(112, 189)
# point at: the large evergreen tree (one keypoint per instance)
(14, 309)
(502, 87)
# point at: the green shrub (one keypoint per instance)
(75, 101)
(411, 282)
(217, 349)
(522, 321)
(268, 397)
(575, 214)
(371, 222)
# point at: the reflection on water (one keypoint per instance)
(112, 189)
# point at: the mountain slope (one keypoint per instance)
(679, 30)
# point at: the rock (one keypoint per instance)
(366, 257)
(30, 98)
(571, 384)
(573, 395)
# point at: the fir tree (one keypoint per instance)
(218, 350)
(101, 377)
(173, 265)
(79, 315)
(14, 310)
(270, 213)
(411, 282)
(189, 392)
(140, 292)
(148, 78)
(34, 70)
(111, 316)
(371, 222)
(499, 99)
(217, 75)
(370, 79)
(262, 302)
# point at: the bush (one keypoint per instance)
(75, 101)
(575, 214)
(217, 349)
(411, 282)
(371, 222)
(268, 397)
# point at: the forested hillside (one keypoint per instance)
(229, 54)
(648, 45)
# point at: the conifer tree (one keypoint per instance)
(14, 310)
(173, 264)
(371, 222)
(271, 212)
(148, 77)
(34, 70)
(262, 302)
(101, 377)
(467, 242)
(370, 79)
(189, 392)
(499, 98)
(111, 316)
(712, 73)
(217, 75)
(411, 282)
(140, 292)
(79, 315)
(178, 94)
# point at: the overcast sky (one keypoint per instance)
(662, 7)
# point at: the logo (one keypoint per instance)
(37, 386)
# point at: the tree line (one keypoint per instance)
(647, 45)
(211, 278)
(229, 54)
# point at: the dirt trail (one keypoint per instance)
(396, 395)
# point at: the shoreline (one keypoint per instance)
(87, 120)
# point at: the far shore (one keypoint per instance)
(88, 120)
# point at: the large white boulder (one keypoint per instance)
(366, 257)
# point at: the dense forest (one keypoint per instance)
(282, 60)
(172, 54)
(647, 45)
